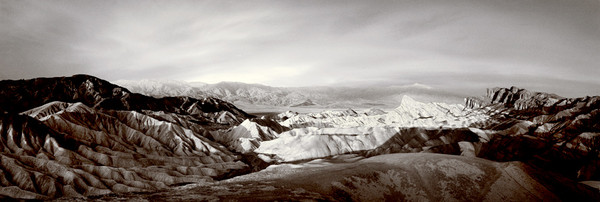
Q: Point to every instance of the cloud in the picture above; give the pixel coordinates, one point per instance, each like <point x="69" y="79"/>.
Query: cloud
<point x="464" y="45"/>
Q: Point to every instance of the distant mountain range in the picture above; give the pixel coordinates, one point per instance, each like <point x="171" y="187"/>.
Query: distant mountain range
<point x="243" y="94"/>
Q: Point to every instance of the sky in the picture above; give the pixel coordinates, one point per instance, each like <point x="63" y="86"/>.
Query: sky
<point x="455" y="45"/>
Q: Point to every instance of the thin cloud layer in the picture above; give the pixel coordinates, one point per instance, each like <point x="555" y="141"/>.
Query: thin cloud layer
<point x="463" y="46"/>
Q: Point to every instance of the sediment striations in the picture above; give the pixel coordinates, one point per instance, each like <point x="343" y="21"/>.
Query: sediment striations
<point x="81" y="136"/>
<point x="21" y="95"/>
<point x="311" y="143"/>
<point x="410" y="113"/>
<point x="72" y="150"/>
<point x="513" y="97"/>
<point x="561" y="134"/>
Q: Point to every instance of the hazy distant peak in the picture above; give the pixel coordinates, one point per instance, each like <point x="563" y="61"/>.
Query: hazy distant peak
<point x="153" y="82"/>
<point x="259" y="94"/>
<point x="197" y="84"/>
<point x="235" y="84"/>
<point x="162" y="87"/>
<point x="419" y="85"/>
<point x="413" y="86"/>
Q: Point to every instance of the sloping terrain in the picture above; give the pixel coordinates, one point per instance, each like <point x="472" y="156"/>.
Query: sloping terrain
<point x="41" y="163"/>
<point x="410" y="113"/>
<point x="411" y="127"/>
<point x="21" y="95"/>
<point x="561" y="134"/>
<point x="391" y="177"/>
<point x="81" y="137"/>
<point x="247" y="136"/>
<point x="116" y="145"/>
<point x="310" y="143"/>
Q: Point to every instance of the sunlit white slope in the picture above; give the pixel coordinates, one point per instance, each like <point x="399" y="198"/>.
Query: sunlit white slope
<point x="245" y="137"/>
<point x="410" y="113"/>
<point x="311" y="142"/>
<point x="70" y="146"/>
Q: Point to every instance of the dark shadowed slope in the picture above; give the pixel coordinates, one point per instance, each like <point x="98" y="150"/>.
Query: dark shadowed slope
<point x="86" y="152"/>
<point x="81" y="136"/>
<point x="513" y="97"/>
<point x="390" y="177"/>
<point x="560" y="134"/>
<point x="21" y="95"/>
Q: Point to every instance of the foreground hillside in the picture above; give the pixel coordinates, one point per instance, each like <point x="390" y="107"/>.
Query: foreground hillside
<point x="561" y="134"/>
<point x="81" y="137"/>
<point x="390" y="177"/>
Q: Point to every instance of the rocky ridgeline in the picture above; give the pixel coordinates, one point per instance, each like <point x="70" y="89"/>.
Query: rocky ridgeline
<point x="81" y="136"/>
<point x="562" y="134"/>
<point x="513" y="97"/>
<point x="247" y="136"/>
<point x="566" y="135"/>
<point x="410" y="113"/>
<point x="411" y="127"/>
<point x="21" y="95"/>
<point x="71" y="150"/>
<point x="311" y="143"/>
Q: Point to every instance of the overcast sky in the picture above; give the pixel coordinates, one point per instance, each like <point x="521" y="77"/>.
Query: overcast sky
<point x="459" y="45"/>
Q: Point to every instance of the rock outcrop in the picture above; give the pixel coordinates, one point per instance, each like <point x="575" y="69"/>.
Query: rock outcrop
<point x="86" y="153"/>
<point x="410" y="113"/>
<point x="311" y="143"/>
<point x="545" y="130"/>
<point x="245" y="137"/>
<point x="21" y="95"/>
<point x="513" y="97"/>
<point x="81" y="136"/>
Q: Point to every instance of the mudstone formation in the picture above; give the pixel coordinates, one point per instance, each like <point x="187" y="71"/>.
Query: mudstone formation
<point x="81" y="137"/>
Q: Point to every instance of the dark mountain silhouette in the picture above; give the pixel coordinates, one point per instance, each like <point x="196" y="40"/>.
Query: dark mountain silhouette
<point x="21" y="95"/>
